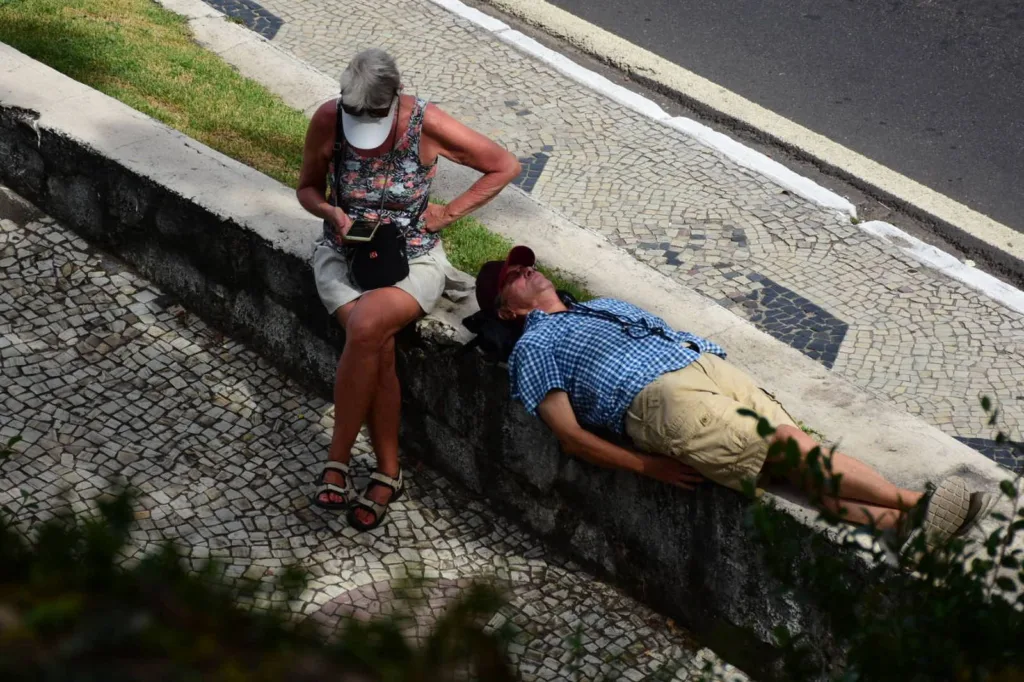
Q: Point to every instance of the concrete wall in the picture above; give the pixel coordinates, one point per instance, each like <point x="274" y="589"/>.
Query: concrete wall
<point x="687" y="554"/>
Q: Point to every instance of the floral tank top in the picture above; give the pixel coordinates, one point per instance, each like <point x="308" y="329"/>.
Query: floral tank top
<point x="405" y="194"/>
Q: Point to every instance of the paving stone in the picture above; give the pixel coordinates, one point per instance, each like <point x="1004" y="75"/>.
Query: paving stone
<point x="696" y="216"/>
<point x="248" y="506"/>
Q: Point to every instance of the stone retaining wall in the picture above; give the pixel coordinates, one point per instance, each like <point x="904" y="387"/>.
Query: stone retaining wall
<point x="688" y="554"/>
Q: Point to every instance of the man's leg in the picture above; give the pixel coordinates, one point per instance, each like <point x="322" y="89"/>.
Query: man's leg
<point x="862" y="490"/>
<point x="370" y="324"/>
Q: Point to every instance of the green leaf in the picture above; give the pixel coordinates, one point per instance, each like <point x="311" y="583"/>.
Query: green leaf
<point x="1009" y="489"/>
<point x="981" y="566"/>
<point x="999" y="516"/>
<point x="986" y="403"/>
<point x="1006" y="584"/>
<point x="1009" y="562"/>
<point x="749" y="487"/>
<point x="744" y="412"/>
<point x="764" y="428"/>
<point x="782" y="635"/>
<point x="792" y="455"/>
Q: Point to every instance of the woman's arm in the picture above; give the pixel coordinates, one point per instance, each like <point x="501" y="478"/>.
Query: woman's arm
<point x="316" y="158"/>
<point x="463" y="145"/>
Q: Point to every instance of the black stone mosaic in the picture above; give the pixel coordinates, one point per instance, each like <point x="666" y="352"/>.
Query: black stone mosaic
<point x="1010" y="455"/>
<point x="251" y="14"/>
<point x="774" y="309"/>
<point x="533" y="166"/>
<point x="794" y="320"/>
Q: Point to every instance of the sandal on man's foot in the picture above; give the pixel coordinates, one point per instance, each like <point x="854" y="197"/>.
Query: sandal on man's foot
<point x="321" y="498"/>
<point x="379" y="511"/>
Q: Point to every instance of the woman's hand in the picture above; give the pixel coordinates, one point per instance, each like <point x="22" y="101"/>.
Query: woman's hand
<point x="436" y="218"/>
<point x="444" y="136"/>
<point x="339" y="221"/>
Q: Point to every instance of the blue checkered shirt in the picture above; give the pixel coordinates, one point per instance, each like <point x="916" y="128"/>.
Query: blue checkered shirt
<point x="596" y="361"/>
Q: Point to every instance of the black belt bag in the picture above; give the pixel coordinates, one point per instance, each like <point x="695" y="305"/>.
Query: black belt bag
<point x="380" y="262"/>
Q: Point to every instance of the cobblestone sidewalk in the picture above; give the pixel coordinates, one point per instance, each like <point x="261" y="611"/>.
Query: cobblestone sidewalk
<point x="105" y="378"/>
<point x="808" y="277"/>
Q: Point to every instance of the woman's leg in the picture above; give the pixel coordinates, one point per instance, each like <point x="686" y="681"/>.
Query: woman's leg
<point x="383" y="422"/>
<point x="360" y="386"/>
<point x="860" y="487"/>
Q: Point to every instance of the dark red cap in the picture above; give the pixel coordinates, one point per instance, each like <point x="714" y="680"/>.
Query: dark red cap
<point x="492" y="275"/>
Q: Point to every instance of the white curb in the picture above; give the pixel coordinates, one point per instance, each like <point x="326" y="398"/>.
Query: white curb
<point x="740" y="154"/>
<point x="743" y="156"/>
<point x="935" y="258"/>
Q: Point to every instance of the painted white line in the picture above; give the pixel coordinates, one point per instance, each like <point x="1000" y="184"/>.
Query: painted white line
<point x="759" y="163"/>
<point x="476" y="16"/>
<point x="296" y="81"/>
<point x="565" y="25"/>
<point x="935" y="258"/>
<point x="740" y="154"/>
<point x="637" y="61"/>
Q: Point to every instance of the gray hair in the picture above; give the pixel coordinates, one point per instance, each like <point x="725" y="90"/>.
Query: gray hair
<point x="370" y="80"/>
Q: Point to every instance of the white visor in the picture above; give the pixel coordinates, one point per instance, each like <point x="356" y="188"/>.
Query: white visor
<point x="367" y="132"/>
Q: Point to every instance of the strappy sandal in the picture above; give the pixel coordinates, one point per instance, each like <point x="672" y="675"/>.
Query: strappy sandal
<point x="346" y="492"/>
<point x="379" y="511"/>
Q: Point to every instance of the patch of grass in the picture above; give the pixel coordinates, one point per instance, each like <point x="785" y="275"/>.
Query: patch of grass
<point x="469" y="245"/>
<point x="813" y="433"/>
<point x="143" y="55"/>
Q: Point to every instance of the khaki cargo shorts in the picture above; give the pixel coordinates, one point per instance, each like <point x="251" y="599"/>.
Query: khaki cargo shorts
<point x="691" y="414"/>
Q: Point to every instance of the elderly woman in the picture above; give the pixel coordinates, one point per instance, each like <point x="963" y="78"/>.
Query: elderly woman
<point x="379" y="264"/>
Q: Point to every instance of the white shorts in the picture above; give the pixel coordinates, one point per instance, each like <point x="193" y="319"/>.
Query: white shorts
<point x="430" y="276"/>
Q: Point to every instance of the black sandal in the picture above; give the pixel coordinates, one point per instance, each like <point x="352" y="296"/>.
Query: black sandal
<point x="380" y="511"/>
<point x="346" y="492"/>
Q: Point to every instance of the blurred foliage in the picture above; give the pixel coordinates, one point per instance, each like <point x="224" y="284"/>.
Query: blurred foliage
<point x="912" y="612"/>
<point x="72" y="608"/>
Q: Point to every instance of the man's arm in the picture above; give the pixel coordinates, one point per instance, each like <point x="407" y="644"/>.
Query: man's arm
<point x="557" y="413"/>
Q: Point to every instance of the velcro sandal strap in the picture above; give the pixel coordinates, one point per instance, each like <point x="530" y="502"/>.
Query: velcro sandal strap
<point x="336" y="466"/>
<point x="336" y="489"/>
<point x="394" y="483"/>
<point x="375" y="507"/>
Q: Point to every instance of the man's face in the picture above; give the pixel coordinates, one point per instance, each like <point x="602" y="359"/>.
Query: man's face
<point x="523" y="288"/>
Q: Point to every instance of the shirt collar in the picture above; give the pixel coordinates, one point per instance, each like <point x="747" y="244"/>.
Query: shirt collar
<point x="533" y="318"/>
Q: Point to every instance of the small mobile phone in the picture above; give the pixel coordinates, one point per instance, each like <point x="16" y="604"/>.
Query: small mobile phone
<point x="362" y="231"/>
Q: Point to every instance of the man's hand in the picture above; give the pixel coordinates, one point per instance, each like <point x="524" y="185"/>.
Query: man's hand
<point x="672" y="471"/>
<point x="436" y="218"/>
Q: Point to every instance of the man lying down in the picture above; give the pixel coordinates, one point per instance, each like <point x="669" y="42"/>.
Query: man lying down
<point x="611" y="365"/>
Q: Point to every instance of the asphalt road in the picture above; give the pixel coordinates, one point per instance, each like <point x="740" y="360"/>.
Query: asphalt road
<point x="933" y="89"/>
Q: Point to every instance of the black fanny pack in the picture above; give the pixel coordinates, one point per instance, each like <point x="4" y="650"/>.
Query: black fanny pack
<point x="380" y="262"/>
